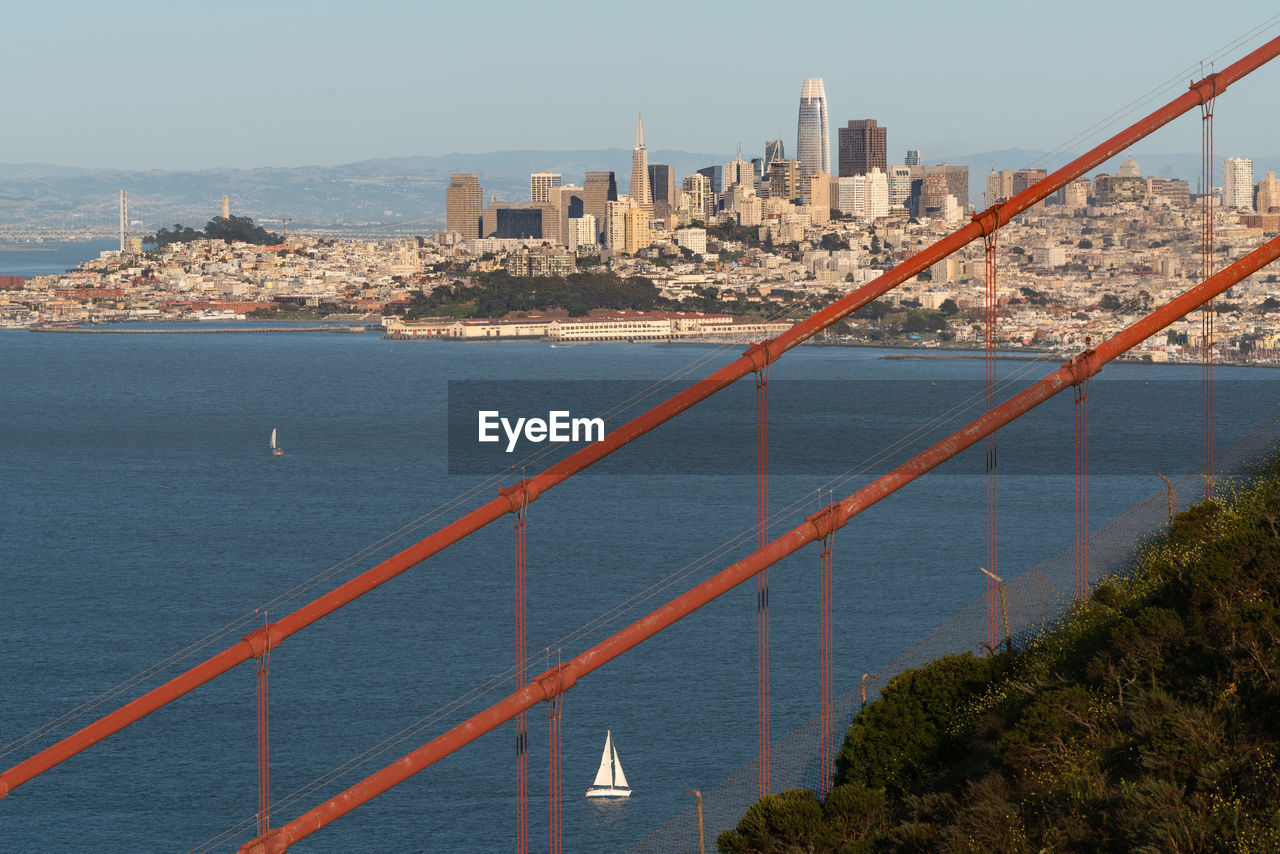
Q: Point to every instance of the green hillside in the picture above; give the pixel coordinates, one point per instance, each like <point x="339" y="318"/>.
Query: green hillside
<point x="1147" y="720"/>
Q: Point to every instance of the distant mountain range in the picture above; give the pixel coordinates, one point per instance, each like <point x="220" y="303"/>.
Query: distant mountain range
<point x="407" y="191"/>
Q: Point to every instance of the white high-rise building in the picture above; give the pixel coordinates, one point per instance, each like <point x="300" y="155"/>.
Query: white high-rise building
<point x="813" y="146"/>
<point x="875" y="195"/>
<point x="541" y="185"/>
<point x="1237" y="183"/>
<point x="899" y="185"/>
<point x="582" y="232"/>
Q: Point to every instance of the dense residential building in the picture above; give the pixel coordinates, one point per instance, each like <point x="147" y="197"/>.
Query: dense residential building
<point x="1267" y="196"/>
<point x="875" y="194"/>
<point x="1115" y="189"/>
<point x="464" y="205"/>
<point x="615" y="225"/>
<point x="1176" y="190"/>
<point x="636" y="235"/>
<point x="542" y="184"/>
<point x="999" y="186"/>
<point x="813" y="147"/>
<point x="1075" y="196"/>
<point x="693" y="239"/>
<point x="814" y="192"/>
<point x="1237" y="183"/>
<point x="542" y="261"/>
<point x="640" y="193"/>
<point x="698" y="198"/>
<point x="738" y="171"/>
<point x="584" y="234"/>
<point x="863" y="147"/>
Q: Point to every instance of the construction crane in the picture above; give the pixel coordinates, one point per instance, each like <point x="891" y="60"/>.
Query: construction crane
<point x="284" y="225"/>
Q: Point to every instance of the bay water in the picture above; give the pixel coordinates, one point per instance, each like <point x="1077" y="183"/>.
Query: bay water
<point x="142" y="511"/>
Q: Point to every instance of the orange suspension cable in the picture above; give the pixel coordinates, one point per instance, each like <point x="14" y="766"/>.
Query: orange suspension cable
<point x="1206" y="315"/>
<point x="522" y="756"/>
<point x="762" y="580"/>
<point x="826" y="658"/>
<point x="264" y="770"/>
<point x="992" y="342"/>
<point x="553" y="716"/>
<point x="1081" y="393"/>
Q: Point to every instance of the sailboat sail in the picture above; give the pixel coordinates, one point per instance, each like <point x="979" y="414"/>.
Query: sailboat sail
<point x="619" y="779"/>
<point x="273" y="438"/>
<point x="610" y="782"/>
<point x="604" y="777"/>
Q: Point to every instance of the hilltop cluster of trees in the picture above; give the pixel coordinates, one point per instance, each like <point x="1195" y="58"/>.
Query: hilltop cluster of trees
<point x="498" y="294"/>
<point x="233" y="229"/>
<point x="1148" y="720"/>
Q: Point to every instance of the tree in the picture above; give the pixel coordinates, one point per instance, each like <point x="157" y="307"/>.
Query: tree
<point x="1085" y="243"/>
<point x="1109" y="302"/>
<point x="949" y="307"/>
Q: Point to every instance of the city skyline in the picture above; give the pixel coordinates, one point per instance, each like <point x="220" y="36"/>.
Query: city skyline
<point x="312" y="84"/>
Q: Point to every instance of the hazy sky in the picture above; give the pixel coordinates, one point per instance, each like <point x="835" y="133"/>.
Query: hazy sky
<point x="174" y="85"/>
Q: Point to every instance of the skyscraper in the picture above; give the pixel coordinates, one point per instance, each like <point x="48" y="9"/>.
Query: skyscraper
<point x="640" y="192"/>
<point x="913" y="157"/>
<point x="464" y="205"/>
<point x="772" y="151"/>
<point x="1237" y="183"/>
<point x="662" y="184"/>
<point x="598" y="189"/>
<point x="862" y="148"/>
<point x="813" y="147"/>
<point x="541" y="185"/>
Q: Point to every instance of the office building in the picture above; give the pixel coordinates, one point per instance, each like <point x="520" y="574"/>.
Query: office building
<point x="464" y="205"/>
<point x="598" y="190"/>
<point x="813" y="148"/>
<point x="715" y="174"/>
<point x="662" y="184"/>
<point x="541" y="184"/>
<point x="640" y="193"/>
<point x="863" y="147"/>
<point x="773" y="150"/>
<point x="913" y="157"/>
<point x="782" y="179"/>
<point x="899" y="177"/>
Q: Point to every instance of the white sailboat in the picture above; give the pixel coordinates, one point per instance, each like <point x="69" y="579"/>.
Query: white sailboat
<point x="610" y="782"/>
<point x="276" y="450"/>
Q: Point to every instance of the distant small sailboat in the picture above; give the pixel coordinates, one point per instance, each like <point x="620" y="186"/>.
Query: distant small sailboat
<point x="276" y="450"/>
<point x="610" y="782"/>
